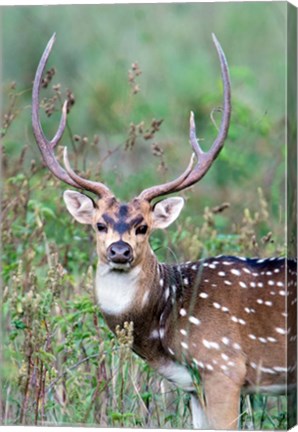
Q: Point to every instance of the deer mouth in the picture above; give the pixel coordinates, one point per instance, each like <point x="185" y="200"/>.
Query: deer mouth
<point x="121" y="267"/>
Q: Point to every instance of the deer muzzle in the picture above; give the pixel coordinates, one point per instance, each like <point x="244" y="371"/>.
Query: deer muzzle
<point x="120" y="252"/>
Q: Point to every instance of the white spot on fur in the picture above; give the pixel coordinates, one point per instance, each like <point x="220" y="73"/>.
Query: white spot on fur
<point x="243" y="284"/>
<point x="183" y="332"/>
<point x="221" y="273"/>
<point x="194" y="320"/>
<point x="225" y="357"/>
<point x="216" y="305"/>
<point x="145" y="298"/>
<point x="236" y="346"/>
<point x="225" y="340"/>
<point x="281" y="331"/>
<point x="199" y="363"/>
<point x="203" y="295"/>
<point x="236" y="272"/>
<point x="280" y="369"/>
<point x="154" y="334"/>
<point x="267" y="370"/>
<point x="167" y="293"/>
<point x="210" y="344"/>
<point x="226" y="282"/>
<point x="242" y="258"/>
<point x="183" y="312"/>
<point x="184" y="345"/>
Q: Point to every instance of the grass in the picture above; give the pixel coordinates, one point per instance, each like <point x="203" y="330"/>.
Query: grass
<point x="61" y="365"/>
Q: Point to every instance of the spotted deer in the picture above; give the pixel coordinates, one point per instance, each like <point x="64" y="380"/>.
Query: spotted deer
<point x="229" y="319"/>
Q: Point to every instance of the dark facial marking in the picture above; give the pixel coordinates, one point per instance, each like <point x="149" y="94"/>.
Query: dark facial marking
<point x="136" y="221"/>
<point x="108" y="219"/>
<point x="121" y="227"/>
<point x="111" y="202"/>
<point x="123" y="211"/>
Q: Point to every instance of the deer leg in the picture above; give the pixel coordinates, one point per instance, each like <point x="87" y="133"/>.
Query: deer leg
<point x="199" y="420"/>
<point x="222" y="401"/>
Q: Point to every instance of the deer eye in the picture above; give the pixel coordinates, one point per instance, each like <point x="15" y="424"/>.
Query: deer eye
<point x="142" y="229"/>
<point x="102" y="227"/>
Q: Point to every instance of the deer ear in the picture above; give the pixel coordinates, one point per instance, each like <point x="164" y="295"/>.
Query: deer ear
<point x="165" y="212"/>
<point x="79" y="206"/>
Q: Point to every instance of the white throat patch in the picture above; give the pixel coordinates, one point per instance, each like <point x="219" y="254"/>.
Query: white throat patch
<point x="115" y="290"/>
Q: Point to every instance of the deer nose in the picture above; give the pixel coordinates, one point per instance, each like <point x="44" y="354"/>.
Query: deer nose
<point x="120" y="252"/>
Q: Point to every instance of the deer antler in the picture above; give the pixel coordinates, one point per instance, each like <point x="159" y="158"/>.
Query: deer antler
<point x="47" y="147"/>
<point x="204" y="159"/>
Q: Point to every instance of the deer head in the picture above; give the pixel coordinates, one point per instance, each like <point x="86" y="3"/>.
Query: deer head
<point x="123" y="230"/>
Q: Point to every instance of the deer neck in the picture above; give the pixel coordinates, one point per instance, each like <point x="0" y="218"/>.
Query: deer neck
<point x="139" y="296"/>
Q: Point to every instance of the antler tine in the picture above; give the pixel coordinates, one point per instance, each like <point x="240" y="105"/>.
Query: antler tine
<point x="204" y="159"/>
<point x="155" y="191"/>
<point x="57" y="137"/>
<point x="46" y="147"/>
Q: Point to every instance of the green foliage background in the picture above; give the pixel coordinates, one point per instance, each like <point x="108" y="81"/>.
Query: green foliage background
<point x="61" y="364"/>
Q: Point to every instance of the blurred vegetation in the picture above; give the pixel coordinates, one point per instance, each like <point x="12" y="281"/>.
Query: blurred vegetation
<point x="133" y="72"/>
